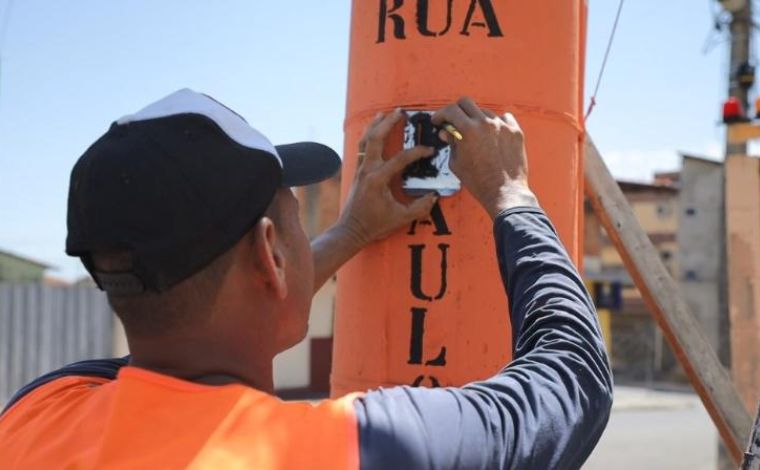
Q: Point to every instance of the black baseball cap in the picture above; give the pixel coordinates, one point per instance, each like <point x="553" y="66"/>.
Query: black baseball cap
<point x="176" y="185"/>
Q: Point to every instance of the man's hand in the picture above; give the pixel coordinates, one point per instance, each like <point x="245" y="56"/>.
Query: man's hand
<point x="490" y="160"/>
<point x="372" y="212"/>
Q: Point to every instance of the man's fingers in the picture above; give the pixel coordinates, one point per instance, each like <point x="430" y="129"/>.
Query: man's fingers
<point x="375" y="120"/>
<point x="472" y="109"/>
<point x="452" y="114"/>
<point x="509" y="118"/>
<point x="403" y="159"/>
<point x="421" y="207"/>
<point x="490" y="113"/>
<point x="375" y="138"/>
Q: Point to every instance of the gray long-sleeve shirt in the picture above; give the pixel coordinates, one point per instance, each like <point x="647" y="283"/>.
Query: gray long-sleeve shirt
<point x="546" y="409"/>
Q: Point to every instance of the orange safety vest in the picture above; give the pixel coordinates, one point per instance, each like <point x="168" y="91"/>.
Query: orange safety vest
<point x="148" y="420"/>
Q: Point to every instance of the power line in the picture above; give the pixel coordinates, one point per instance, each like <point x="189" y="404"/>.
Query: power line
<point x="592" y="103"/>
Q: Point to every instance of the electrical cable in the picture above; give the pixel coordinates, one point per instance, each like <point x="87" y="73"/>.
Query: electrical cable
<point x="592" y="103"/>
<point x="716" y="36"/>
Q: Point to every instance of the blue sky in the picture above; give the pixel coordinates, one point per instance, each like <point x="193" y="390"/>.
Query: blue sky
<point x="71" y="67"/>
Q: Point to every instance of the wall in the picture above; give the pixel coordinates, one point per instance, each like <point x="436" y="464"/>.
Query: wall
<point x="659" y="215"/>
<point x="700" y="243"/>
<point x="44" y="327"/>
<point x="656" y="209"/>
<point x="292" y="368"/>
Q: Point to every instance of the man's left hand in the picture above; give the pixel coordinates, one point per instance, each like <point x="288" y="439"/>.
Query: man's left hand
<point x="372" y="212"/>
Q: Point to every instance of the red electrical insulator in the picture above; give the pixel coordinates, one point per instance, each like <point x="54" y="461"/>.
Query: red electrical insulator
<point x="732" y="111"/>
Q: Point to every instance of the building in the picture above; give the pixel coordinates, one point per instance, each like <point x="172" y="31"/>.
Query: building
<point x="702" y="245"/>
<point x="638" y="350"/>
<point x="656" y="207"/>
<point x="19" y="269"/>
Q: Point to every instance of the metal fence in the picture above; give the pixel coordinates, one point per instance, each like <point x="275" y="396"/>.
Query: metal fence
<point x="43" y="327"/>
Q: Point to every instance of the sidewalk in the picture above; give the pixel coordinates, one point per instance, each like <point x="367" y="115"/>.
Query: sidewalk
<point x="656" y="429"/>
<point x="629" y="397"/>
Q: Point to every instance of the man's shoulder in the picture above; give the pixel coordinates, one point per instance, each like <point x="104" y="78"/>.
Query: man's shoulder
<point x="300" y="412"/>
<point x="96" y="369"/>
<point x="101" y="400"/>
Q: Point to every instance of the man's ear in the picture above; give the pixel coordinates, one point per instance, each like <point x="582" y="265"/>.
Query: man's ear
<point x="271" y="259"/>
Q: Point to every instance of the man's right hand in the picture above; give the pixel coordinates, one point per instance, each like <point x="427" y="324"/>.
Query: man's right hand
<point x="490" y="160"/>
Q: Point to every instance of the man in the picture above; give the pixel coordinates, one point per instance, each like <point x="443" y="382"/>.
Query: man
<point x="183" y="215"/>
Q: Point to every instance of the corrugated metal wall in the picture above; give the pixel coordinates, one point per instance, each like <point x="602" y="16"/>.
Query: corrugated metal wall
<point x="44" y="327"/>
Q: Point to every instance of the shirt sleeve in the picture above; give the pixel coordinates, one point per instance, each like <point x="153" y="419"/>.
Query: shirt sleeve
<point x="545" y="409"/>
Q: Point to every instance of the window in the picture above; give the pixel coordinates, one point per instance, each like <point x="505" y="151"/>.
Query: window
<point x="664" y="210"/>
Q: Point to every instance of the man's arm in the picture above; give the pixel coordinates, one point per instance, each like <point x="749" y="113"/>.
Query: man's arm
<point x="548" y="407"/>
<point x="331" y="250"/>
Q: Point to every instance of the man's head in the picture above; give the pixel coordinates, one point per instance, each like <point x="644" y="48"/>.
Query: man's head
<point x="183" y="214"/>
<point x="269" y="270"/>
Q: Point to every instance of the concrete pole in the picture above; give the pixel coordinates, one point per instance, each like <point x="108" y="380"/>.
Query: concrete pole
<point x="740" y="29"/>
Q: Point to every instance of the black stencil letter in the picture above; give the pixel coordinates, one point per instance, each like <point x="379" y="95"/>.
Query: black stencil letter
<point x="418" y="338"/>
<point x="494" y="30"/>
<point x="416" y="279"/>
<point x="398" y="20"/>
<point x="433" y="381"/>
<point x="441" y="227"/>
<point x="423" y="17"/>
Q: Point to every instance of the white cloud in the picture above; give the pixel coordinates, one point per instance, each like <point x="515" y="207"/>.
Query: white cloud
<point x="637" y="165"/>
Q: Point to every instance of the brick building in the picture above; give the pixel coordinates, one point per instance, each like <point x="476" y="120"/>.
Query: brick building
<point x="638" y="350"/>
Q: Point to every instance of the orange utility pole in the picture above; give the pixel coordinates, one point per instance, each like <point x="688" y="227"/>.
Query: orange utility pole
<point x="426" y="307"/>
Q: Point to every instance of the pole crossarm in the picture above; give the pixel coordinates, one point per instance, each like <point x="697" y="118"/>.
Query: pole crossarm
<point x="661" y="294"/>
<point x="742" y="132"/>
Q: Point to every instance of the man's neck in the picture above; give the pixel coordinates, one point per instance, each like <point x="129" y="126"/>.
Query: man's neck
<point x="211" y="364"/>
